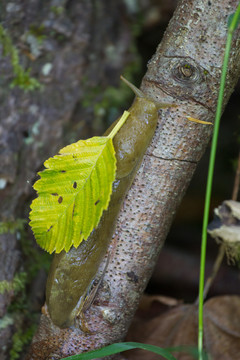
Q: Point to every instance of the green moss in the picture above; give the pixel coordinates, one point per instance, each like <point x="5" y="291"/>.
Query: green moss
<point x="19" y="340"/>
<point x="90" y="96"/>
<point x="12" y="226"/>
<point x="105" y="104"/>
<point x="108" y="104"/>
<point x="35" y="260"/>
<point x="22" y="78"/>
<point x="114" y="98"/>
<point x="38" y="32"/>
<point x="57" y="10"/>
<point x="17" y="284"/>
<point x="6" y="321"/>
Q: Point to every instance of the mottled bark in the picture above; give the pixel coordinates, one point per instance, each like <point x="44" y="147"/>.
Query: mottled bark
<point x="71" y="47"/>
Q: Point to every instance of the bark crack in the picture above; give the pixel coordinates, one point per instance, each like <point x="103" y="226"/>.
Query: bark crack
<point x="173" y="159"/>
<point x="179" y="97"/>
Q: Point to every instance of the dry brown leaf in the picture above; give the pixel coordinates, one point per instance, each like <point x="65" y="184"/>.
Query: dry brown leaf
<point x="173" y="328"/>
<point x="179" y="326"/>
<point x="225" y="228"/>
<point x="148" y="300"/>
<point x="222" y="327"/>
<point x="153" y="305"/>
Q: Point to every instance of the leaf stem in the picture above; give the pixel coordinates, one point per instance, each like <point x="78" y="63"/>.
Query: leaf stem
<point x="119" y="124"/>
<point x="209" y="181"/>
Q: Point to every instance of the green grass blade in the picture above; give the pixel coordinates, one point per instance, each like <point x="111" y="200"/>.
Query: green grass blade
<point x="191" y="350"/>
<point x="232" y="26"/>
<point x="120" y="347"/>
<point x="234" y="20"/>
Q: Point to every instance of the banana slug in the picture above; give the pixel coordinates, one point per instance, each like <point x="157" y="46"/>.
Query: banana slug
<point x="71" y="273"/>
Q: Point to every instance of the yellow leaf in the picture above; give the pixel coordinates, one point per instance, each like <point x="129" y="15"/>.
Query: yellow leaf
<point x="73" y="191"/>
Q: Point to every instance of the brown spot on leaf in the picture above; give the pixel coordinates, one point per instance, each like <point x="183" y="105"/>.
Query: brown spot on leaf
<point x="60" y="199"/>
<point x="63" y="171"/>
<point x="54" y="194"/>
<point x="74" y="185"/>
<point x="97" y="202"/>
<point x="50" y="228"/>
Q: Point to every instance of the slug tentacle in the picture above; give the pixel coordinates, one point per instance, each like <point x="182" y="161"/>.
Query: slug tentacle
<point x="136" y="91"/>
<point x="140" y="94"/>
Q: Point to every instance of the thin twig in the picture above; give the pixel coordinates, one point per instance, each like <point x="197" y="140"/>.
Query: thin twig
<point x="236" y="181"/>
<point x="216" y="267"/>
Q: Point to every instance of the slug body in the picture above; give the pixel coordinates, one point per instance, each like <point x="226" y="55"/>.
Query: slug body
<point x="71" y="273"/>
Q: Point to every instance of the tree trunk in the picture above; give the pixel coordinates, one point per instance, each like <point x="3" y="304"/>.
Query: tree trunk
<point x="71" y="50"/>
